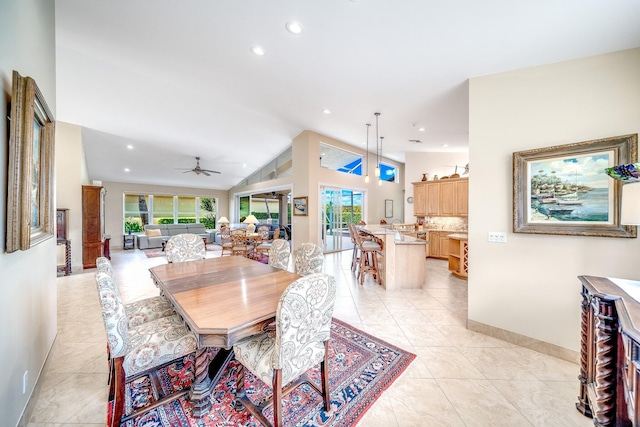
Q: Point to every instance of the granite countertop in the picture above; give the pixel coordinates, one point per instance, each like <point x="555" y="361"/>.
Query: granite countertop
<point x="400" y="238"/>
<point x="403" y="239"/>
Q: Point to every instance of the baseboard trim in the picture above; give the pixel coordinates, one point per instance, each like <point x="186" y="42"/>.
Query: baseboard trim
<point x="525" y="341"/>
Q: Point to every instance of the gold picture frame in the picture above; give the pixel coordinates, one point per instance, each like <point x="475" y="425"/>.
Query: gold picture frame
<point x="300" y="206"/>
<point x="30" y="171"/>
<point x="565" y="190"/>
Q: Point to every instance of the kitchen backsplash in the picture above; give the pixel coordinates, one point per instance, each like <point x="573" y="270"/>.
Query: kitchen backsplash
<point x="446" y="223"/>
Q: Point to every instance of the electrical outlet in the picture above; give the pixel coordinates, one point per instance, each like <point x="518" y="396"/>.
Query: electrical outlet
<point x="25" y="380"/>
<point x="497" y="236"/>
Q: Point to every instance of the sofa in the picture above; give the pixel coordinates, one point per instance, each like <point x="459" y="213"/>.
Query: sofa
<point x="284" y="231"/>
<point x="152" y="239"/>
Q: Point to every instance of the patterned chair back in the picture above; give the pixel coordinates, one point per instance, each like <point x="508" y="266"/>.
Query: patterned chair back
<point x="279" y="254"/>
<point x="309" y="259"/>
<point x="263" y="232"/>
<point x="303" y="324"/>
<point x="103" y="264"/>
<point x="185" y="247"/>
<point x="113" y="314"/>
<point x="352" y="232"/>
<point x="225" y="234"/>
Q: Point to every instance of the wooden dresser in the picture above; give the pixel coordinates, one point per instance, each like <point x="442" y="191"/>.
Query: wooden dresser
<point x="92" y="220"/>
<point x="610" y="351"/>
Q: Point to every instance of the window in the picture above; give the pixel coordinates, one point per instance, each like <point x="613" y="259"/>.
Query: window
<point x="340" y="160"/>
<point x="142" y="209"/>
<point x="388" y="172"/>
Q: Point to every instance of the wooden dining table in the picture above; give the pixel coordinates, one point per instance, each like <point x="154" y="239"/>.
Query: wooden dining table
<point x="221" y="300"/>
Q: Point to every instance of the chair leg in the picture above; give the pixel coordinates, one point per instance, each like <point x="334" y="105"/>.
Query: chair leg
<point x="118" y="398"/>
<point x="240" y="394"/>
<point x="277" y="398"/>
<point x="324" y="369"/>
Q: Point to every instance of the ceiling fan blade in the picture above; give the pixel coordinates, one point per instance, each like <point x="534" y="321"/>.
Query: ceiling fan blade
<point x="187" y="171"/>
<point x="205" y="173"/>
<point x="209" y="170"/>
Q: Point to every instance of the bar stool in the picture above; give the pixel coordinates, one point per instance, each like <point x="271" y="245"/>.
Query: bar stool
<point x="355" y="258"/>
<point x="368" y="258"/>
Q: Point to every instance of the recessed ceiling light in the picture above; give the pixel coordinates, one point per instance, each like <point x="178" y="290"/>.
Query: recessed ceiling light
<point x="445" y="145"/>
<point x="294" y="27"/>
<point x="421" y="129"/>
<point x="127" y="170"/>
<point x="244" y="165"/>
<point x="326" y="111"/>
<point x="129" y="147"/>
<point x="257" y="50"/>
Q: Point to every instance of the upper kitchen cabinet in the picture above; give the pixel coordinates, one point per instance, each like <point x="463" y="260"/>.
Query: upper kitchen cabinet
<point x="449" y="197"/>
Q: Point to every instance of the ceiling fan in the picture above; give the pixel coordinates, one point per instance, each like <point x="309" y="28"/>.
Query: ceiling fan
<point x="198" y="170"/>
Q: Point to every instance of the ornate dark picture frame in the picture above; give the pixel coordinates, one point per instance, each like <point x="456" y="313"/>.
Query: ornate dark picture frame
<point x="30" y="208"/>
<point x="565" y="190"/>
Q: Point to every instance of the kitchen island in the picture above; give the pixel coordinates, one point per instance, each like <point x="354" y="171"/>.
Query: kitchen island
<point x="403" y="263"/>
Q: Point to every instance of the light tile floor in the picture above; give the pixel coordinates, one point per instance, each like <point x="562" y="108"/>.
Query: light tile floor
<point x="459" y="378"/>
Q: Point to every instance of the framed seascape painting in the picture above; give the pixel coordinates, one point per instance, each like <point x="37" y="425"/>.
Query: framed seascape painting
<point x="565" y="189"/>
<point x="300" y="206"/>
<point x="30" y="169"/>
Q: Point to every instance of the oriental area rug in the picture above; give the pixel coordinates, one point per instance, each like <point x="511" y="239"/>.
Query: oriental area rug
<point x="361" y="367"/>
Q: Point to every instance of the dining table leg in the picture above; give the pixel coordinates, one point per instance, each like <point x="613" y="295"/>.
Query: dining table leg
<point x="208" y="371"/>
<point x="200" y="394"/>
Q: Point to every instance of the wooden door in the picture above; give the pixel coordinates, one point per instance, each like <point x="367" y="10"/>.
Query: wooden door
<point x="447" y="198"/>
<point x="461" y="207"/>
<point x="91" y="225"/>
<point x="433" y="198"/>
<point x="420" y="199"/>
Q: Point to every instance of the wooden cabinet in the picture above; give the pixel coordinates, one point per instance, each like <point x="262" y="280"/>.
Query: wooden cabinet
<point x="447" y="197"/>
<point x="610" y="352"/>
<point x="92" y="231"/>
<point x="420" y="199"/>
<point x="439" y="244"/>
<point x="459" y="255"/>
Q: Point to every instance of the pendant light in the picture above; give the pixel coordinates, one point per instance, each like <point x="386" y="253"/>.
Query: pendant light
<point x="377" y="152"/>
<point x="380" y="173"/>
<point x="366" y="176"/>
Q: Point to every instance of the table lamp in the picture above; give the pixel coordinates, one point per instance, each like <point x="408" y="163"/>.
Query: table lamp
<point x="223" y="221"/>
<point x="252" y="221"/>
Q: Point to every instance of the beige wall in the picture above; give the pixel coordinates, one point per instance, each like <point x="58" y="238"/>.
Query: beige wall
<point x="71" y="175"/>
<point x="432" y="163"/>
<point x="308" y="176"/>
<point x="114" y="202"/>
<point x="529" y="285"/>
<point x="28" y="278"/>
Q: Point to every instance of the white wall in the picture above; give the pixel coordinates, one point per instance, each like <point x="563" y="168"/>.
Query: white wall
<point x="529" y="285"/>
<point x="71" y="176"/>
<point x="28" y="278"/>
<point x="439" y="164"/>
<point x="113" y="202"/>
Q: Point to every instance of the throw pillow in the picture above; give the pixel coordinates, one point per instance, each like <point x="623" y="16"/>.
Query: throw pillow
<point x="154" y="232"/>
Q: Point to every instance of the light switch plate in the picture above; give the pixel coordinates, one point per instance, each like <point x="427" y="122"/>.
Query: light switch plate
<point x="497" y="236"/>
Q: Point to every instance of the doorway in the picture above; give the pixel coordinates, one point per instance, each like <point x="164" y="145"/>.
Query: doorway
<point x="339" y="207"/>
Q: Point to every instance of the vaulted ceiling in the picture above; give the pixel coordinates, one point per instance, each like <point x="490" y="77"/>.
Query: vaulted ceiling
<point x="177" y="79"/>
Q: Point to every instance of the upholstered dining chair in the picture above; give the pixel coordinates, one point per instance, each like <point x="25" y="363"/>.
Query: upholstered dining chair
<point x="279" y="254"/>
<point x="140" y="311"/>
<point x="185" y="247"/>
<point x="308" y="259"/>
<point x="138" y="350"/>
<point x="300" y="342"/>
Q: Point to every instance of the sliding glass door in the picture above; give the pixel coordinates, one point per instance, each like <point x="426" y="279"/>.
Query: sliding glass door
<point x="339" y="207"/>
